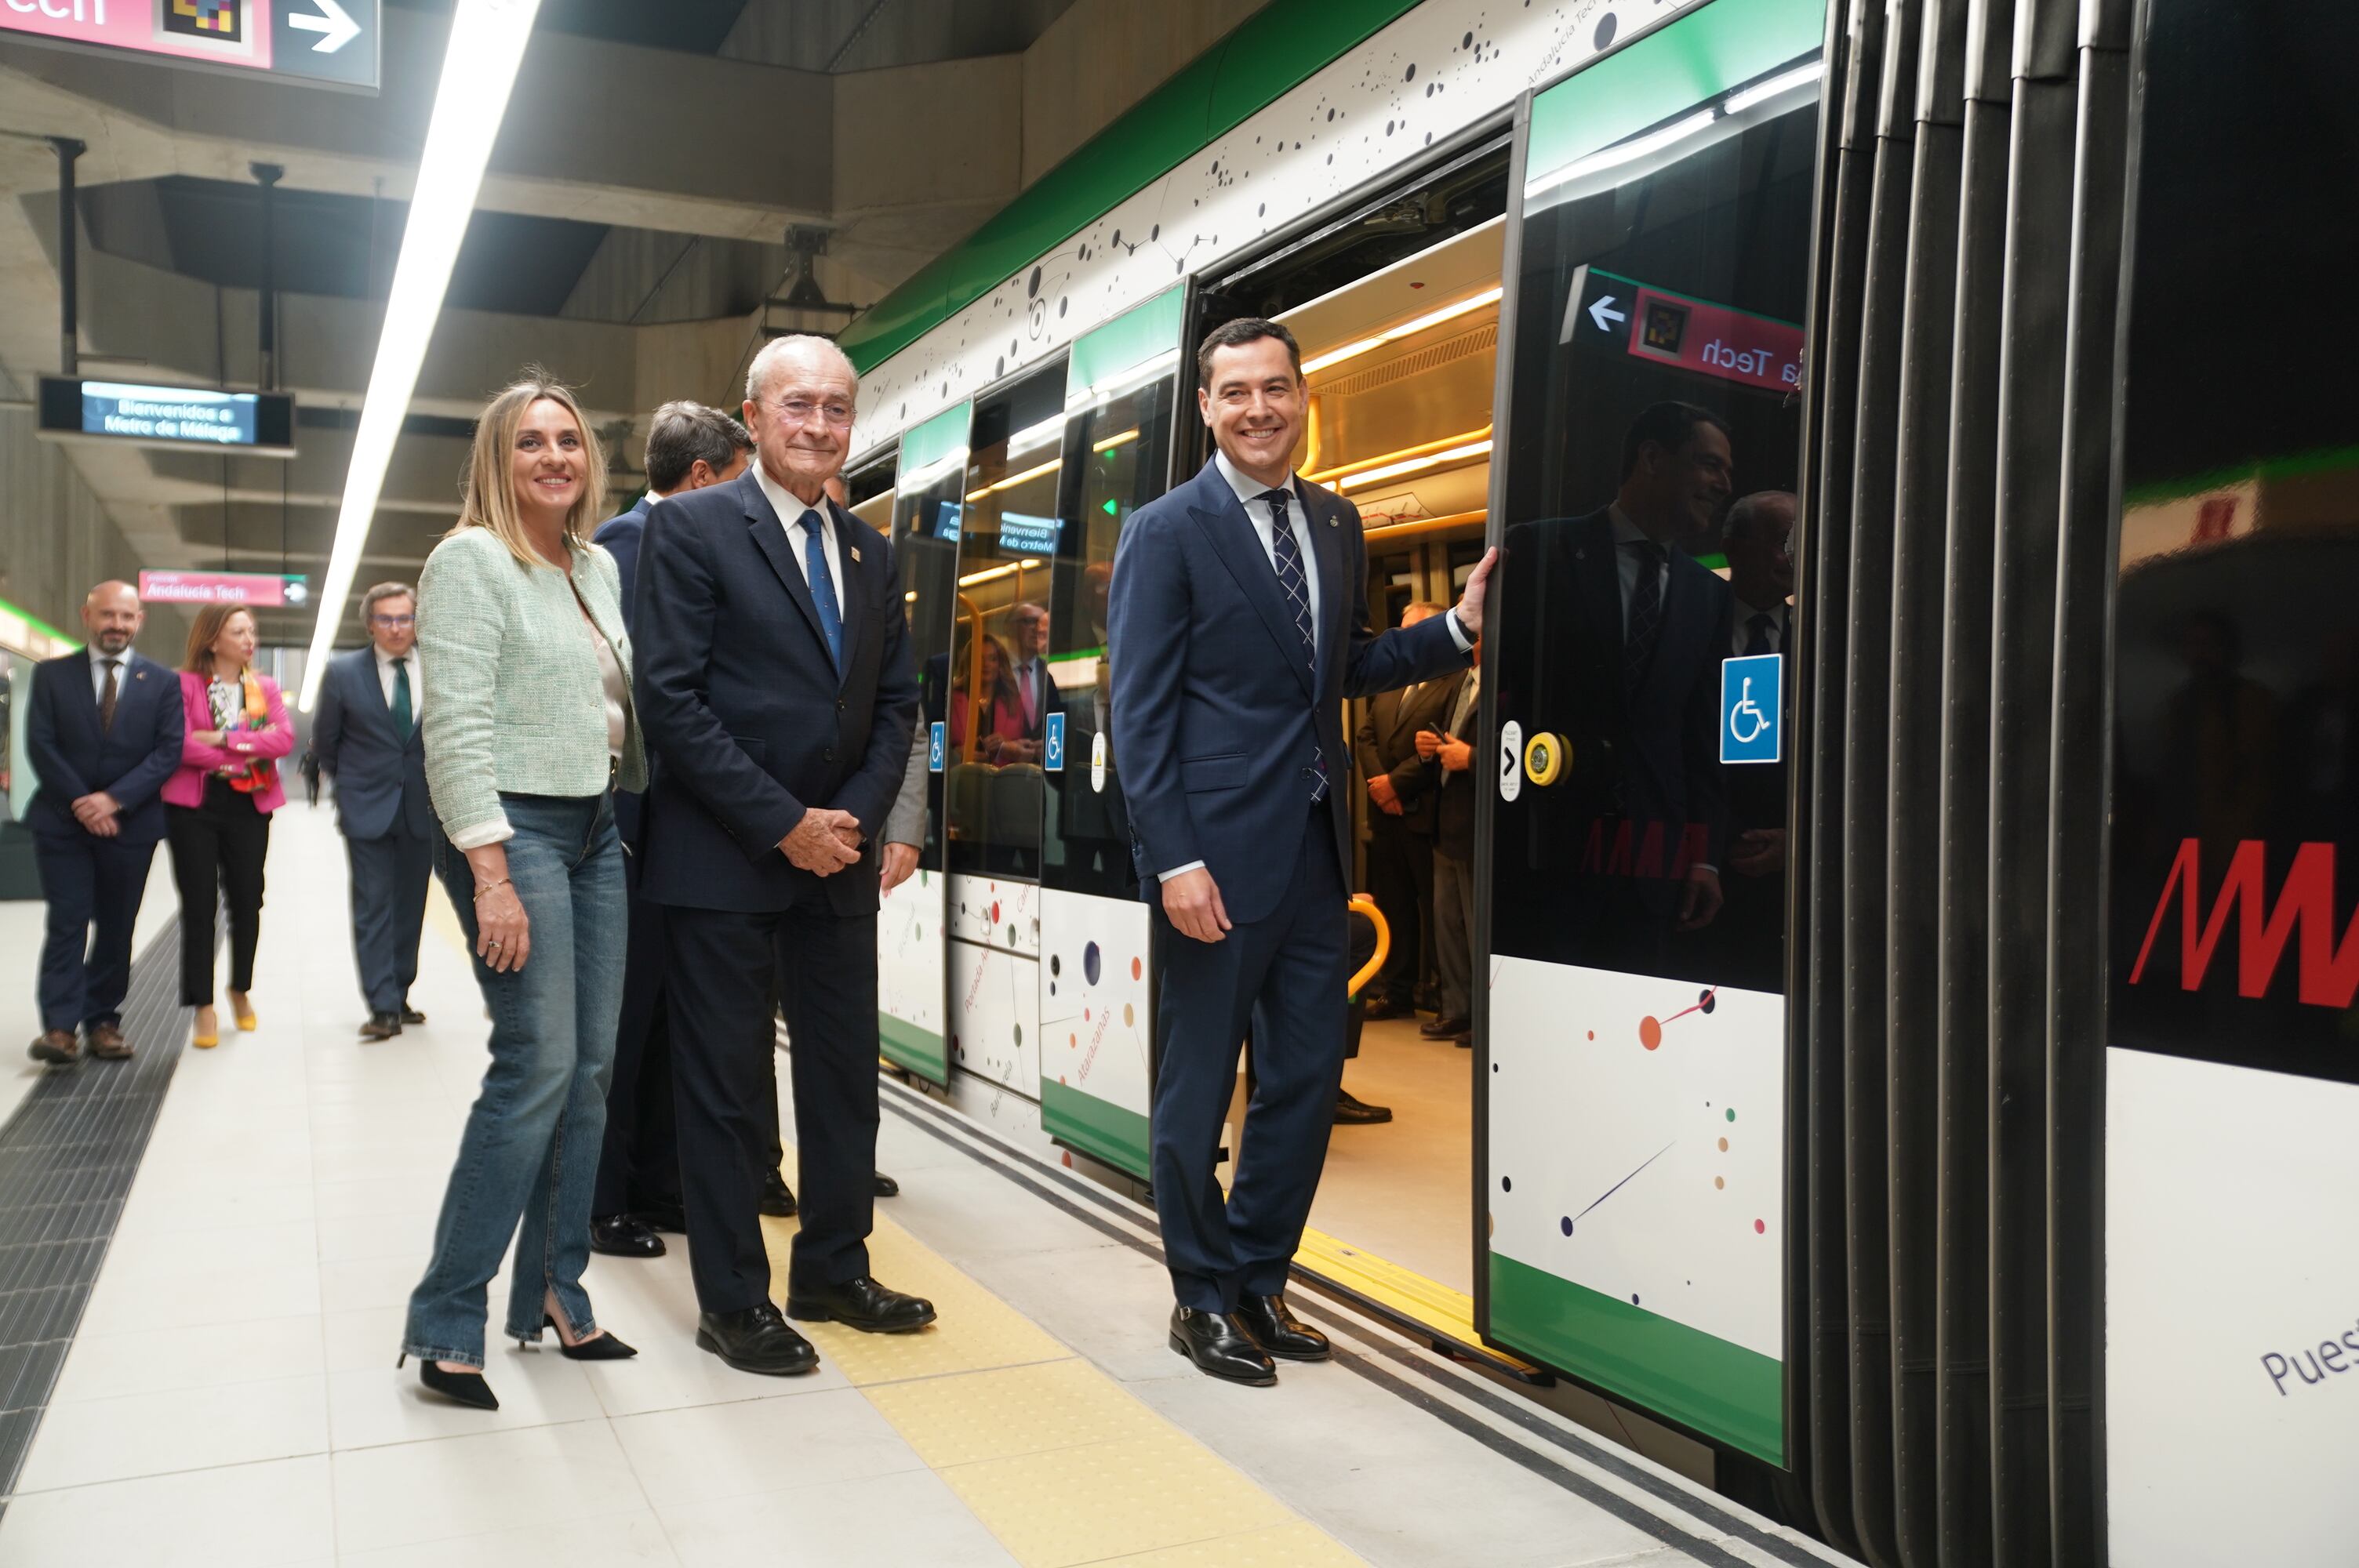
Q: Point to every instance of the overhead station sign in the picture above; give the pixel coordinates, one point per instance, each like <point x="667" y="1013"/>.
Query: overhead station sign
<point x="1684" y="332"/>
<point x="260" y="424"/>
<point x="330" y="42"/>
<point x="261" y="591"/>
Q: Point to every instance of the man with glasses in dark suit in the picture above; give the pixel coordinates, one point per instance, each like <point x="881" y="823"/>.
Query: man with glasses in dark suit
<point x="368" y="739"/>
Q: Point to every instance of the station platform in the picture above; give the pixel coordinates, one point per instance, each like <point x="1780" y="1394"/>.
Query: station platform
<point x="205" y="1257"/>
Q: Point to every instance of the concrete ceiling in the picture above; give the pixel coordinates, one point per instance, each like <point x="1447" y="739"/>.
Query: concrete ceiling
<point x="628" y="235"/>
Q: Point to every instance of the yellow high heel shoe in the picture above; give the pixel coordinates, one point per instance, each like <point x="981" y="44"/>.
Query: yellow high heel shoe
<point x="207" y="1042"/>
<point x="246" y="1022"/>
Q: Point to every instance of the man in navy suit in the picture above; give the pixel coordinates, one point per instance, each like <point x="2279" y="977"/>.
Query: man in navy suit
<point x="777" y="688"/>
<point x="690" y="447"/>
<point x="103" y="732"/>
<point x="1239" y="625"/>
<point x="368" y="739"/>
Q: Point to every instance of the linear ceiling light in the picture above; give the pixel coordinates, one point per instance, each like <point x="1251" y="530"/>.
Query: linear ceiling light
<point x="1626" y="152"/>
<point x="479" y="70"/>
<point x="1012" y="481"/>
<point x="1362" y="465"/>
<point x="1430" y="319"/>
<point x="1111" y="442"/>
<point x="1417" y="465"/>
<point x="1776" y="87"/>
<point x="1039" y="435"/>
<point x="993" y="574"/>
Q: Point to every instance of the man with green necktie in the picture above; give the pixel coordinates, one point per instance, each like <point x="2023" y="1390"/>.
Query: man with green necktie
<point x="368" y="741"/>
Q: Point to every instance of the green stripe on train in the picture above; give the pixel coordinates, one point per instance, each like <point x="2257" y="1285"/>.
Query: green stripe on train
<point x="1719" y="1389"/>
<point x="917" y="1049"/>
<point x="1270" y="54"/>
<point x="1100" y="1129"/>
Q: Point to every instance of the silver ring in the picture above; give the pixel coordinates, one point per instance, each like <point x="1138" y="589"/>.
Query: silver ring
<point x="491" y="942"/>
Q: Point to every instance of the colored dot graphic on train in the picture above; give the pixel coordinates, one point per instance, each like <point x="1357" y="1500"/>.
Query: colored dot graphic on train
<point x="1090" y="959"/>
<point x="1650" y="1029"/>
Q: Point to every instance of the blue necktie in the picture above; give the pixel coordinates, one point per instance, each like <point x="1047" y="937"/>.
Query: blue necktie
<point x="1285" y="555"/>
<point x="822" y="587"/>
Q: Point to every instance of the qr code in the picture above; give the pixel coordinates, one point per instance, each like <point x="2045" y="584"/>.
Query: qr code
<point x="220" y="21"/>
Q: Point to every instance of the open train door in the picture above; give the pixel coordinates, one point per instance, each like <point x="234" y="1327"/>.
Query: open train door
<point x="912" y="1002"/>
<point x="1631" y="1221"/>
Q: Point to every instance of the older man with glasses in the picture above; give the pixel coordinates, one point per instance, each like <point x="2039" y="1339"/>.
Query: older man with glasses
<point x="367" y="739"/>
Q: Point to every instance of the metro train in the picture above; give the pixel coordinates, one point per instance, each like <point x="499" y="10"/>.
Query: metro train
<point x="1915" y="1050"/>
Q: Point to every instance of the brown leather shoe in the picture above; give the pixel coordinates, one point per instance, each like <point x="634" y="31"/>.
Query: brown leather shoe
<point x="55" y="1045"/>
<point x="107" y="1043"/>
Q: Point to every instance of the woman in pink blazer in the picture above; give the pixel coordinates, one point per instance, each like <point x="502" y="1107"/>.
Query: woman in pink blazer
<point x="217" y="807"/>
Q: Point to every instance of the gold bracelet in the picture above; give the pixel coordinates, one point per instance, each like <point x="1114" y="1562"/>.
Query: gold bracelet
<point x="487" y="887"/>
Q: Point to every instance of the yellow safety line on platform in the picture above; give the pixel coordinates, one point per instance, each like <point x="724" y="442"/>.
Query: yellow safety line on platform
<point x="1404" y="1290"/>
<point x="1056" y="1458"/>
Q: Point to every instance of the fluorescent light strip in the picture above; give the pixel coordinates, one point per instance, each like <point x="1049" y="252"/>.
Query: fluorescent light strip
<point x="1012" y="481"/>
<point x="1121" y="383"/>
<point x="1034" y="435"/>
<point x="479" y="70"/>
<point x="1341" y="471"/>
<point x="1111" y="442"/>
<point x="1431" y="319"/>
<point x="1628" y="152"/>
<point x="925" y="474"/>
<point x="991" y="574"/>
<point x="1416" y="465"/>
<point x="1776" y="87"/>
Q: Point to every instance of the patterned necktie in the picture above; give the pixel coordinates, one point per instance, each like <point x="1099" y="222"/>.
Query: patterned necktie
<point x="107" y="698"/>
<point x="822" y="587"/>
<point x="404" y="717"/>
<point x="1759" y="644"/>
<point x="1645" y="613"/>
<point x="1285" y="555"/>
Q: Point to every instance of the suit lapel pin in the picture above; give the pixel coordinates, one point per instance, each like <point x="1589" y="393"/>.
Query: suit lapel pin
<point x="855" y="554"/>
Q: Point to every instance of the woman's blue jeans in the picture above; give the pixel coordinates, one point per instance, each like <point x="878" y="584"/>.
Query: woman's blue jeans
<point x="530" y="1149"/>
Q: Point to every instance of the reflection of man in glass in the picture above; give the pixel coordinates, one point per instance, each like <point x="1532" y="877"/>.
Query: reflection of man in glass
<point x="1751" y="929"/>
<point x="1628" y="671"/>
<point x="1036" y="693"/>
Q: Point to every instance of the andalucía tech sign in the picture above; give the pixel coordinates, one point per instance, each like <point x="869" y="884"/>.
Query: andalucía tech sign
<point x="329" y="42"/>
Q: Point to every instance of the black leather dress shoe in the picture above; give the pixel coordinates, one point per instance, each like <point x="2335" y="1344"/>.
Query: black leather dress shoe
<point x="1353" y="1112"/>
<point x="860" y="1303"/>
<point x="1376" y="1010"/>
<point x="755" y="1340"/>
<point x="1279" y="1332"/>
<point x="886" y="1187"/>
<point x="381" y="1026"/>
<point x="1445" y="1028"/>
<point x="625" y="1236"/>
<point x="411" y="1015"/>
<point x="778" y="1198"/>
<point x="1219" y="1345"/>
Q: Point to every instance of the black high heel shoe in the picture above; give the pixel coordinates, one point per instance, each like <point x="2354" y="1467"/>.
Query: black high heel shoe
<point x="461" y="1388"/>
<point x="605" y="1347"/>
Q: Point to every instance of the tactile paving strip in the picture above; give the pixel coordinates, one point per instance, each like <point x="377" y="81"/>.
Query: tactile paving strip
<point x="67" y="1158"/>
<point x="1056" y="1458"/>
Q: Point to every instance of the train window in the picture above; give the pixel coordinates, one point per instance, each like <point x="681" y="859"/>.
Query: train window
<point x="991" y="686"/>
<point x="2229" y="1164"/>
<point x="1636" y="1027"/>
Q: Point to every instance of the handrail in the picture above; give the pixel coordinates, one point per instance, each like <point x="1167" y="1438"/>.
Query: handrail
<point x="1367" y="906"/>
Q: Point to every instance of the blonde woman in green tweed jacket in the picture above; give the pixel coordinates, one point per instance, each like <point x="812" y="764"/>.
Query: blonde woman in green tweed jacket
<point x="529" y="728"/>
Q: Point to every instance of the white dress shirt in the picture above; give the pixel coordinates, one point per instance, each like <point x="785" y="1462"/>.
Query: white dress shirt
<point x="1628" y="535"/>
<point x="98" y="663"/>
<point x="384" y="666"/>
<point x="794" y="513"/>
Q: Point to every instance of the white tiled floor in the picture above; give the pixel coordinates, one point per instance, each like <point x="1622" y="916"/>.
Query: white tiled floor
<point x="231" y="1396"/>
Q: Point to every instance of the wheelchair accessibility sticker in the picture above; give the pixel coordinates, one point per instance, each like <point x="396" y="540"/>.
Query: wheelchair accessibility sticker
<point x="936" y="743"/>
<point x="1750" y="727"/>
<point x="1053" y="760"/>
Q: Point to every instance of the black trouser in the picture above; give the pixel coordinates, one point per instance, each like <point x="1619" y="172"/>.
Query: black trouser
<point x="88" y="881"/>
<point x="1282" y="976"/>
<point x="639" y="1167"/>
<point x="218" y="848"/>
<point x="824" y="967"/>
<point x="1400" y="879"/>
<point x="389" y="878"/>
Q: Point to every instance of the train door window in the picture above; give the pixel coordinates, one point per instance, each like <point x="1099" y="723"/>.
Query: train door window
<point x="2230" y="1077"/>
<point x="1122" y="404"/>
<point x="927" y="500"/>
<point x="1636" y="1032"/>
<point x="993" y="689"/>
